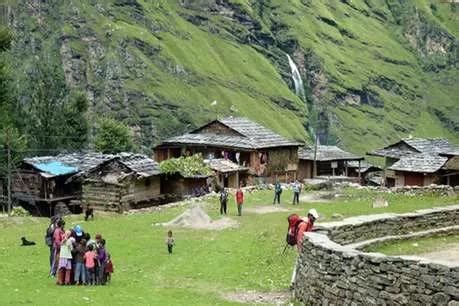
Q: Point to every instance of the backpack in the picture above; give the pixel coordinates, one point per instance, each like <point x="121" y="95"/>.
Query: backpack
<point x="223" y="196"/>
<point x="293" y="223"/>
<point x="49" y="235"/>
<point x="278" y="188"/>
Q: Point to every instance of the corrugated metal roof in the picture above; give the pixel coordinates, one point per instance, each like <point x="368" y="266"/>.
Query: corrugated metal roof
<point x="64" y="164"/>
<point x="326" y="153"/>
<point x="424" y="163"/>
<point x="55" y="168"/>
<point x="251" y="136"/>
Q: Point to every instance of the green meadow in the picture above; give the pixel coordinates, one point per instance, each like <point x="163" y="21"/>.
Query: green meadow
<point x="206" y="265"/>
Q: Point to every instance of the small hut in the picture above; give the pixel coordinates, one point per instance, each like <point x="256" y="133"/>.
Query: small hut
<point x="42" y="182"/>
<point x="419" y="162"/>
<point x="124" y="182"/>
<point x="185" y="176"/>
<point x="228" y="173"/>
<point x="330" y="161"/>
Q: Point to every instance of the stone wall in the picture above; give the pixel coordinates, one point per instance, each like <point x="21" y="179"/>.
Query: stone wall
<point x="330" y="273"/>
<point x="363" y="228"/>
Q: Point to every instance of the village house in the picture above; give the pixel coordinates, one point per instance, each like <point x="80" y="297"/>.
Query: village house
<point x="266" y="154"/>
<point x="228" y="173"/>
<point x="419" y="162"/>
<point x="41" y="182"/>
<point x="331" y="161"/>
<point x="123" y="182"/>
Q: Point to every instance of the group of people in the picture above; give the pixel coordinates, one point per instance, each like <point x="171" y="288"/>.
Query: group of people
<point x="296" y="187"/>
<point x="76" y="258"/>
<point x="239" y="196"/>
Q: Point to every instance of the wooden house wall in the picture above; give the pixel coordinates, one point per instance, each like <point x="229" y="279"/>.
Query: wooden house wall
<point x="28" y="182"/>
<point x="103" y="196"/>
<point x="145" y="189"/>
<point x="177" y="185"/>
<point x="304" y="169"/>
<point x="452" y="163"/>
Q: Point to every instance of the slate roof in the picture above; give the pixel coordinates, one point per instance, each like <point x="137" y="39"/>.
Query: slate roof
<point x="424" y="163"/>
<point x="409" y="146"/>
<point x="141" y="164"/>
<point x="81" y="163"/>
<point x="364" y="166"/>
<point x="326" y="153"/>
<point x="251" y="136"/>
<point x="224" y="165"/>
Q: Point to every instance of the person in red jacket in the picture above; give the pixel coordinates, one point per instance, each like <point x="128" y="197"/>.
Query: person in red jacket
<point x="239" y="201"/>
<point x="306" y="226"/>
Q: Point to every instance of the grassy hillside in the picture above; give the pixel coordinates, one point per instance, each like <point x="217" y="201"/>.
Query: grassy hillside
<point x="374" y="70"/>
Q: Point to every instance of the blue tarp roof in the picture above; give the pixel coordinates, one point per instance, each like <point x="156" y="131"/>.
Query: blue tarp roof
<point x="55" y="168"/>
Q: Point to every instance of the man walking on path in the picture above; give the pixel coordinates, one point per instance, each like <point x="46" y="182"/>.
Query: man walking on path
<point x="296" y="192"/>
<point x="277" y="192"/>
<point x="223" y="201"/>
<point x="239" y="201"/>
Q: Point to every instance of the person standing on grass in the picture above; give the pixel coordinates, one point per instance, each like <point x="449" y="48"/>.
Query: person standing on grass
<point x="239" y="201"/>
<point x="296" y="192"/>
<point x="170" y="242"/>
<point x="101" y="262"/>
<point x="58" y="236"/>
<point x="305" y="226"/>
<point x="277" y="192"/>
<point x="223" y="201"/>
<point x="80" y="270"/>
<point x="65" y="259"/>
<point x="50" y="243"/>
<point x="90" y="263"/>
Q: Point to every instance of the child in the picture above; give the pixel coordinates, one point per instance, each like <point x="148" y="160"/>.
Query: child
<point x="108" y="269"/>
<point x="101" y="262"/>
<point x="65" y="259"/>
<point x="90" y="264"/>
<point x="170" y="241"/>
<point x="80" y="270"/>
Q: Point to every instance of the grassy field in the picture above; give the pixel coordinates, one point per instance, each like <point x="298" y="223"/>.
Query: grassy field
<point x="205" y="264"/>
<point x="416" y="246"/>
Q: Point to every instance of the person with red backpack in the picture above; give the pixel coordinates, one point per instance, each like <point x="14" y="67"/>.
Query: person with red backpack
<point x="306" y="226"/>
<point x="297" y="226"/>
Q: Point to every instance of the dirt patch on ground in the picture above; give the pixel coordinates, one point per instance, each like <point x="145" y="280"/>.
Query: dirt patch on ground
<point x="450" y="254"/>
<point x="197" y="218"/>
<point x="266" y="209"/>
<point x="253" y="297"/>
<point x="319" y="196"/>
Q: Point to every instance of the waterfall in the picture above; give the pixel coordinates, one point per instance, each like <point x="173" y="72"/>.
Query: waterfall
<point x="296" y="76"/>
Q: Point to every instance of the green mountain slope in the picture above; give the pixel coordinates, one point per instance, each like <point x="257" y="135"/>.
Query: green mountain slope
<point x="373" y="70"/>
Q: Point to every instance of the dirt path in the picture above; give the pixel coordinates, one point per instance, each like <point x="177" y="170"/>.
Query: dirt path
<point x="318" y="196"/>
<point x="266" y="209"/>
<point x="197" y="218"/>
<point x="450" y="253"/>
<point x="253" y="297"/>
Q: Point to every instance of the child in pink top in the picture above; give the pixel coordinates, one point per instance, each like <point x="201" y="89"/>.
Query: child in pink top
<point x="90" y="264"/>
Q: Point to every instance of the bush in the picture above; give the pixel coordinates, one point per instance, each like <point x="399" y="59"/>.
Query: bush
<point x="19" y="211"/>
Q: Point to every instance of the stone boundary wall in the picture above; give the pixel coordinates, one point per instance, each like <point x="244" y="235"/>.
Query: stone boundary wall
<point x="363" y="228"/>
<point x="328" y="273"/>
